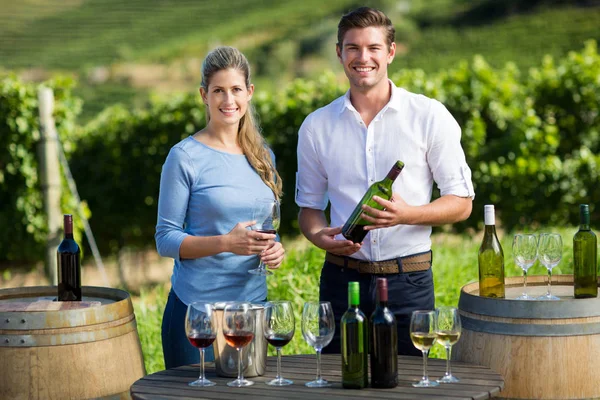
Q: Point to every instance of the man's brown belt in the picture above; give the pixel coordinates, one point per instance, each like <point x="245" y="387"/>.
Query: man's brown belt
<point x="412" y="263"/>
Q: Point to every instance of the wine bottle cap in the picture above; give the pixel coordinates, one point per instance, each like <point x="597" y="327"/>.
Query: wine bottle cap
<point x="68" y="223"/>
<point x="382" y="289"/>
<point x="489" y="215"/>
<point x="353" y="293"/>
<point x="584" y="213"/>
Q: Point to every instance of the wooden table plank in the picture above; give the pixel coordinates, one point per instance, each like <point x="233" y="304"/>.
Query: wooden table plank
<point x="477" y="382"/>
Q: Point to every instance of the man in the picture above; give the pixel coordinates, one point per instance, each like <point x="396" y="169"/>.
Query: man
<point x="353" y="142"/>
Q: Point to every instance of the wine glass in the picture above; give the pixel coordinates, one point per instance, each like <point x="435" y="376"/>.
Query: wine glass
<point x="549" y="254"/>
<point x="279" y="327"/>
<point x="267" y="216"/>
<point x="524" y="249"/>
<point x="201" y="331"/>
<point x="238" y="330"/>
<point x="318" y="327"/>
<point x="447" y="334"/>
<point x="422" y="334"/>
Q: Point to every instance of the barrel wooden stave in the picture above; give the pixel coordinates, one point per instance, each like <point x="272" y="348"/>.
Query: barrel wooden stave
<point x="72" y="359"/>
<point x="539" y="358"/>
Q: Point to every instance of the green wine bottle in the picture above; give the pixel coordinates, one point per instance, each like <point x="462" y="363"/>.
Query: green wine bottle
<point x="354" y="342"/>
<point x="491" y="258"/>
<point x="354" y="228"/>
<point x="585" y="268"/>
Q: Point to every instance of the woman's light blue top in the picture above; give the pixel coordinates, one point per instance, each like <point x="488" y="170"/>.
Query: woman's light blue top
<point x="206" y="192"/>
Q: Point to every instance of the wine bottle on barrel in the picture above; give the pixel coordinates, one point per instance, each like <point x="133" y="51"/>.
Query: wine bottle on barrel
<point x="491" y="259"/>
<point x="69" y="264"/>
<point x="354" y="228"/>
<point x="384" y="341"/>
<point x="585" y="267"/>
<point x="355" y="344"/>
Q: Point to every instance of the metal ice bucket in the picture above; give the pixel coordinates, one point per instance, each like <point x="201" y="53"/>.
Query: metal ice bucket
<point x="254" y="355"/>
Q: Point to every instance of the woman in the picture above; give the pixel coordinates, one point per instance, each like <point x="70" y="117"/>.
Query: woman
<point x="208" y="184"/>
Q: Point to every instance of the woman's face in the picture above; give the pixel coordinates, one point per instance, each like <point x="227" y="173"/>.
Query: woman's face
<point x="227" y="97"/>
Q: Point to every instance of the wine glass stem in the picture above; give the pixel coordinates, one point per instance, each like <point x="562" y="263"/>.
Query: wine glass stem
<point x="201" y="364"/>
<point x="240" y="378"/>
<point x="278" y="377"/>
<point x="524" y="281"/>
<point x="448" y="353"/>
<point x="549" y="280"/>
<point x="425" y="354"/>
<point x="319" y="364"/>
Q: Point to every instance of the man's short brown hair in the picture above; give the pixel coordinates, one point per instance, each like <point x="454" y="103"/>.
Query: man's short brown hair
<point x="365" y="17"/>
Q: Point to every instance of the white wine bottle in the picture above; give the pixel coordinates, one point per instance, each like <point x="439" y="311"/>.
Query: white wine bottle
<point x="491" y="259"/>
<point x="585" y="264"/>
<point x="354" y="228"/>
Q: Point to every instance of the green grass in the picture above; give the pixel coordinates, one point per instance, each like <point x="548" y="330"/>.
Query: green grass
<point x="455" y="265"/>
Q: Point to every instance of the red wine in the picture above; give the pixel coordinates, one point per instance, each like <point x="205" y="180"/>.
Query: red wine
<point x="201" y="340"/>
<point x="269" y="231"/>
<point x="278" y="341"/>
<point x="384" y="345"/>
<point x="68" y="262"/>
<point x="238" y="340"/>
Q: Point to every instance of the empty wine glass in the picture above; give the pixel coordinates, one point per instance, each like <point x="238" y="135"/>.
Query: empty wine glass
<point x="279" y="327"/>
<point x="447" y="334"/>
<point x="422" y="333"/>
<point x="201" y="331"/>
<point x="238" y="330"/>
<point x="549" y="254"/>
<point x="524" y="249"/>
<point x="267" y="216"/>
<point x="318" y="327"/>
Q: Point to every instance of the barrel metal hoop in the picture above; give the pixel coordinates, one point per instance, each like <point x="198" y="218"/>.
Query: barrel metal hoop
<point x="501" y="328"/>
<point x="57" y="339"/>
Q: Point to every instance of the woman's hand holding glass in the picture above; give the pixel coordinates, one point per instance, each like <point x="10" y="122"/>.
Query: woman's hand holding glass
<point x="423" y="334"/>
<point x="549" y="254"/>
<point x="238" y="330"/>
<point x="318" y="327"/>
<point x="448" y="332"/>
<point x="267" y="215"/>
<point x="524" y="247"/>
<point x="201" y="330"/>
<point x="279" y="327"/>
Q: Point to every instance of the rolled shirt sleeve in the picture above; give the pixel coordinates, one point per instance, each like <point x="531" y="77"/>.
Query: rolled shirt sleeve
<point x="445" y="155"/>
<point x="311" y="178"/>
<point x="176" y="180"/>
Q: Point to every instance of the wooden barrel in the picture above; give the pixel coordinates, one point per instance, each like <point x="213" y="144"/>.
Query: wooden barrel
<point x="543" y="349"/>
<point x="68" y="350"/>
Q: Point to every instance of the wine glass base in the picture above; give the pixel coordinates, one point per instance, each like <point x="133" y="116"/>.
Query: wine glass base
<point x="279" y="382"/>
<point x="318" y="383"/>
<point x="448" y="379"/>
<point x="202" y="382"/>
<point x="426" y="383"/>
<point x="548" y="296"/>
<point x="261" y="272"/>
<point x="240" y="383"/>
<point x="525" y="296"/>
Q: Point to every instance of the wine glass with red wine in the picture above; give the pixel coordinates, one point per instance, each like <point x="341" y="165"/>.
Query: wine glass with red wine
<point x="201" y="331"/>
<point x="238" y="329"/>
<point x="267" y="216"/>
<point x="279" y="327"/>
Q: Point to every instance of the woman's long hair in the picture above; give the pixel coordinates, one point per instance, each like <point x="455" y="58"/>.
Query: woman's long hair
<point x="249" y="137"/>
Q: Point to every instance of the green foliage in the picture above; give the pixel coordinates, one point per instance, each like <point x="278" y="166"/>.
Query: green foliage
<point x="20" y="187"/>
<point x="149" y="308"/>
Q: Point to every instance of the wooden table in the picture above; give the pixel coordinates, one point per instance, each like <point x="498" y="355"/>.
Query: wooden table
<point x="477" y="382"/>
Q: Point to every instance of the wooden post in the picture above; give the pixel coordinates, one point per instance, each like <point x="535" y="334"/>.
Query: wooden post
<point x="50" y="178"/>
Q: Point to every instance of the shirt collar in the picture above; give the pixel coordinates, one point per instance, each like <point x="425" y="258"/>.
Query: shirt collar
<point x="394" y="102"/>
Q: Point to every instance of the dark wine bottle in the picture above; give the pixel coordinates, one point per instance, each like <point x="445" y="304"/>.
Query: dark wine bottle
<point x="384" y="341"/>
<point x="491" y="259"/>
<point x="355" y="351"/>
<point x="585" y="268"/>
<point x="69" y="264"/>
<point x="354" y="227"/>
